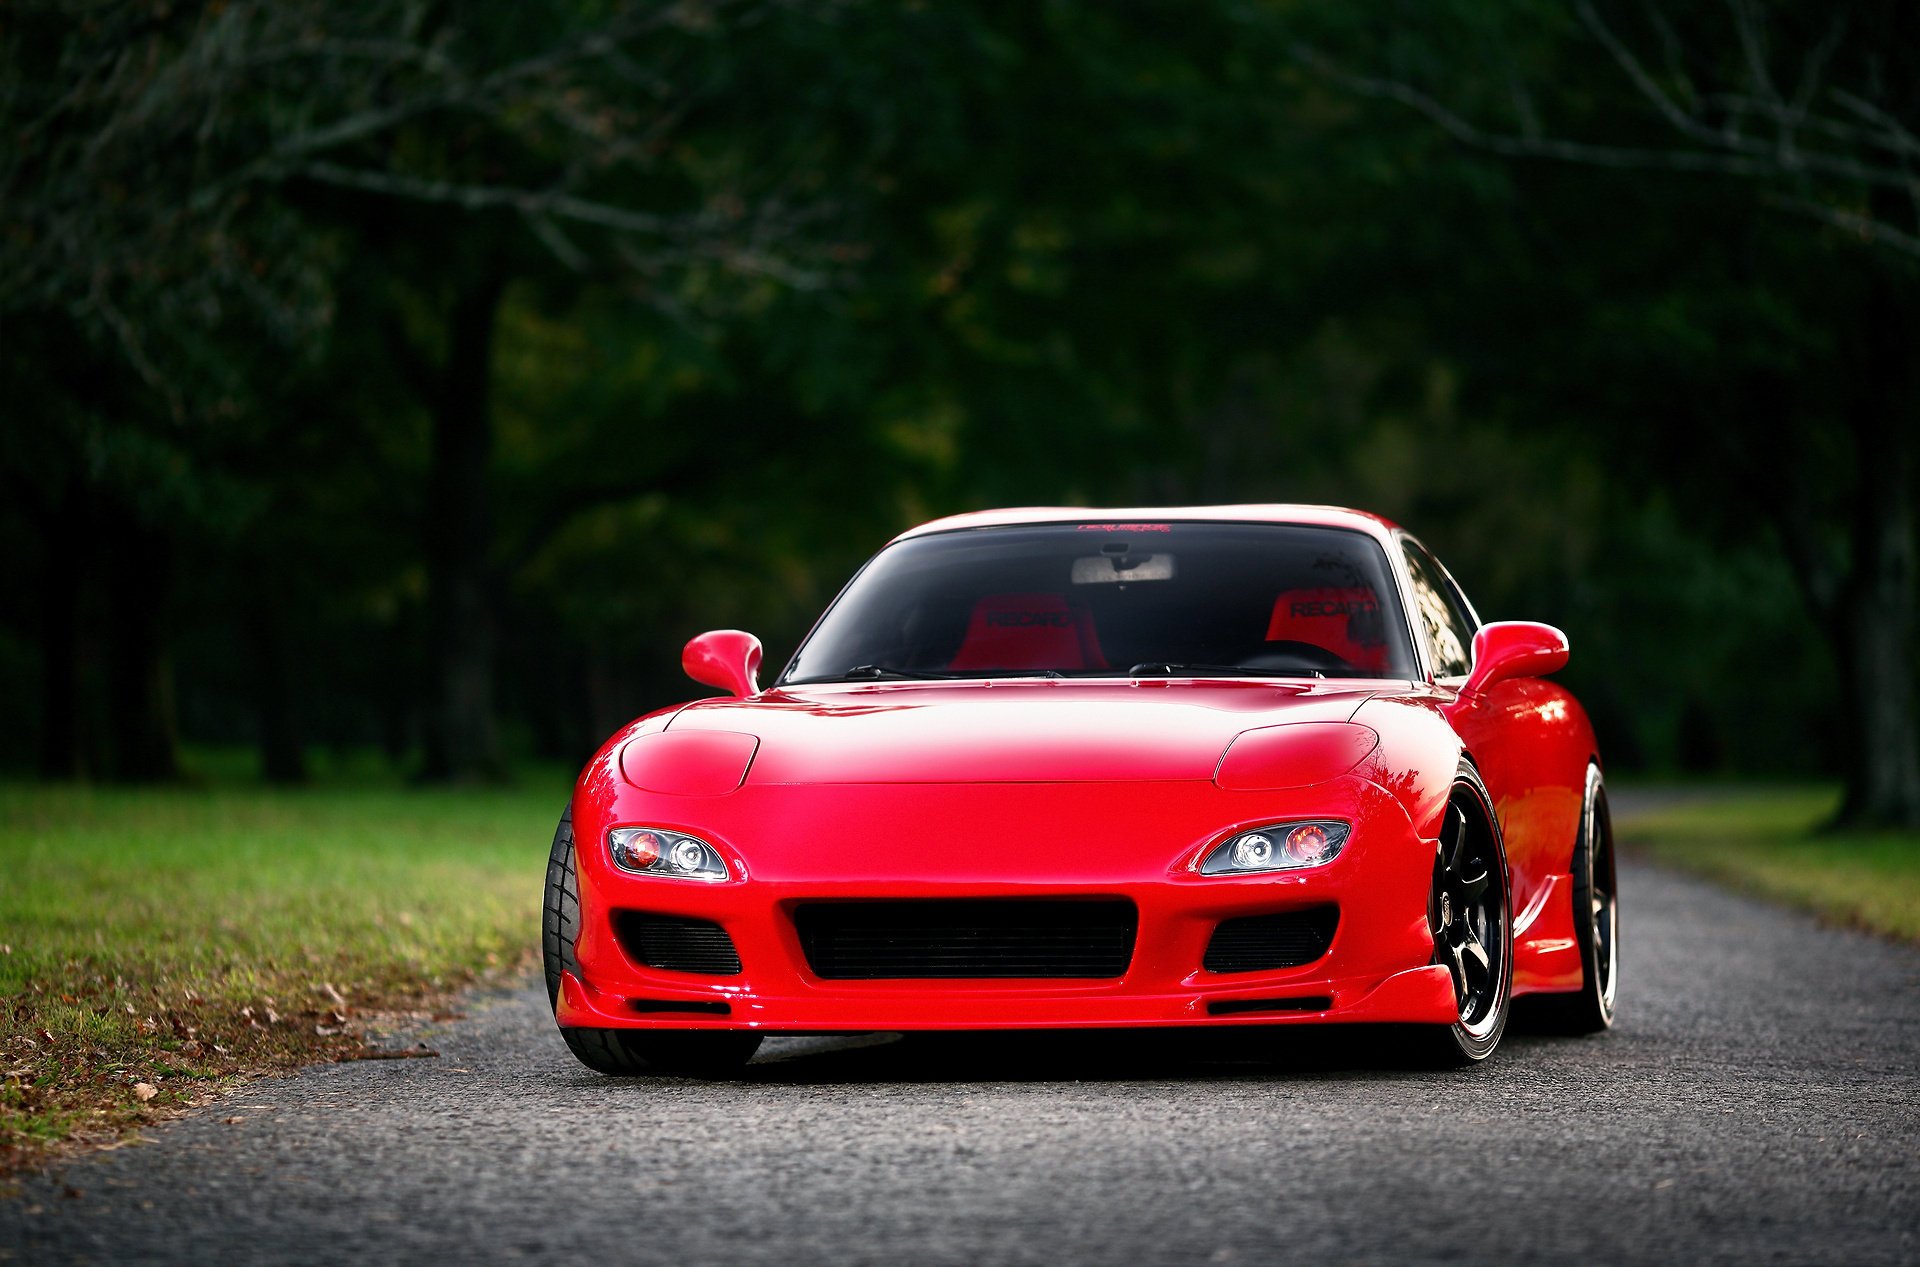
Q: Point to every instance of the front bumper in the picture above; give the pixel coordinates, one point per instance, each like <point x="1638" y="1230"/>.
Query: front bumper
<point x="795" y="844"/>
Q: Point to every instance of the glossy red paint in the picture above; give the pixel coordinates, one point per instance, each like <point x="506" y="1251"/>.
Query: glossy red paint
<point x="1514" y="648"/>
<point x="726" y="658"/>
<point x="689" y="762"/>
<point x="1299" y="754"/>
<point x="1079" y="787"/>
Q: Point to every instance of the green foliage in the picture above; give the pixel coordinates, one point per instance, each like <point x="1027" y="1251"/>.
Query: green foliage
<point x="1768" y="842"/>
<point x="779" y="280"/>
<point x="228" y="887"/>
<point x="163" y="939"/>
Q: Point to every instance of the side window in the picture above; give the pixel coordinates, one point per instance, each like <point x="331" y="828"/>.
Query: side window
<point x="1442" y="614"/>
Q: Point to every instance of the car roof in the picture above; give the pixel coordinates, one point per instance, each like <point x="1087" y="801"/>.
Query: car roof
<point x="1126" y="517"/>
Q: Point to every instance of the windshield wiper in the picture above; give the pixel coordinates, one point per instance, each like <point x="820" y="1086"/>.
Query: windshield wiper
<point x="1162" y="668"/>
<point x="872" y="671"/>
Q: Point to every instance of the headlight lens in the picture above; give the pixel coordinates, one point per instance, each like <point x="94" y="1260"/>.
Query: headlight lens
<point x="1278" y="847"/>
<point x="657" y="851"/>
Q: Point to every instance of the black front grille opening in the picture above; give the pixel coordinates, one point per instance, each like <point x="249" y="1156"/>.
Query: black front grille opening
<point x="676" y="943"/>
<point x="1285" y="939"/>
<point x="970" y="938"/>
<point x="711" y="1007"/>
<point x="1305" y="1003"/>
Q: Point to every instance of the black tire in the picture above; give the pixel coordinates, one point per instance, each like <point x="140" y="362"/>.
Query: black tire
<point x="1596" y="923"/>
<point x="1470" y="913"/>
<point x="620" y="1052"/>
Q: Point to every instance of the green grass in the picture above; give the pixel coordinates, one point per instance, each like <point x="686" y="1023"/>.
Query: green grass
<point x="168" y="938"/>
<point x="1769" y="842"/>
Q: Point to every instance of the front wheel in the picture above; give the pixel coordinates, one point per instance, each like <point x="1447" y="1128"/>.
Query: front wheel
<point x="620" y="1052"/>
<point x="1470" y="916"/>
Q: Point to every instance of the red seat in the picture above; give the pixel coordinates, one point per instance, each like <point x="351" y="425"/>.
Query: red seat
<point x="1344" y="621"/>
<point x="1029" y="631"/>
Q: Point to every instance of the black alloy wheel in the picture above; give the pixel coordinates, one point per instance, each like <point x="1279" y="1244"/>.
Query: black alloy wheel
<point x="620" y="1052"/>
<point x="1470" y="918"/>
<point x="1596" y="921"/>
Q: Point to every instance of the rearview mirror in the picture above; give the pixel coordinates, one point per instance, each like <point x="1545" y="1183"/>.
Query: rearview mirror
<point x="1514" y="648"/>
<point x="726" y="658"/>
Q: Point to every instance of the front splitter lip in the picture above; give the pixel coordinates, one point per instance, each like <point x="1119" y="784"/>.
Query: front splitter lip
<point x="1422" y="995"/>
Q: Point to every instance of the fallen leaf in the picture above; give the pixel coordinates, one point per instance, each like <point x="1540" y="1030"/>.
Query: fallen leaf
<point x="233" y="1121"/>
<point x="144" y="1091"/>
<point x="46" y="1036"/>
<point x="333" y="996"/>
<point x="326" y="1031"/>
<point x="273" y="1017"/>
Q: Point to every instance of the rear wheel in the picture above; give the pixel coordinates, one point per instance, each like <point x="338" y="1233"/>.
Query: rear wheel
<point x="1470" y="917"/>
<point x="1596" y="921"/>
<point x="619" y="1052"/>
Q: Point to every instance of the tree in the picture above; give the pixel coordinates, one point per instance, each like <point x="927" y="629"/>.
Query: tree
<point x="1816" y="109"/>
<point x="165" y="180"/>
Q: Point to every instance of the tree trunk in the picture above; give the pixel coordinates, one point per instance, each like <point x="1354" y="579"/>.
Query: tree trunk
<point x="1873" y="623"/>
<point x="64" y="566"/>
<point x="283" y="759"/>
<point x="461" y="739"/>
<point x="144" y="741"/>
<point x="1876" y="631"/>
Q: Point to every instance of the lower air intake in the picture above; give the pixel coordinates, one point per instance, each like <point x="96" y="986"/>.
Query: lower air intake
<point x="676" y="943"/>
<point x="1286" y="939"/>
<point x="969" y="938"/>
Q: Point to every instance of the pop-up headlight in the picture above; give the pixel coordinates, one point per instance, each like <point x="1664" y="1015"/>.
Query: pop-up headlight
<point x="657" y="851"/>
<point x="1280" y="847"/>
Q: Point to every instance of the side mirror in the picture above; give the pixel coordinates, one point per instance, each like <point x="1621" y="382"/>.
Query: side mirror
<point x="1514" y="648"/>
<point x="726" y="658"/>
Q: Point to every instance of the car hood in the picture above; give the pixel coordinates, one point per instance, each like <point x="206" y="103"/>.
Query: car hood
<point x="1007" y="731"/>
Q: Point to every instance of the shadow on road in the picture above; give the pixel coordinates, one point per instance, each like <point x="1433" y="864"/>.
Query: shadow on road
<point x="1369" y="1051"/>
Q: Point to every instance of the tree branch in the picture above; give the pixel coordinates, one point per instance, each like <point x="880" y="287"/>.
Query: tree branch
<point x="1854" y="143"/>
<point x="1868" y="228"/>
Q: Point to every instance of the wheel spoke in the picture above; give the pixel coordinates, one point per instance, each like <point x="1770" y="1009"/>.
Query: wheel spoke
<point x="1472" y="889"/>
<point x="1457" y="970"/>
<point x="1453" y="840"/>
<point x="1474" y="960"/>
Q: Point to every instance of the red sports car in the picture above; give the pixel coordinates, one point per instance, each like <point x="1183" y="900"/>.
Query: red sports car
<point x="1063" y="768"/>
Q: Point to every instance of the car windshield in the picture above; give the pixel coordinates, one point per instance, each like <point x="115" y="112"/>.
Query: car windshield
<point x="1096" y="600"/>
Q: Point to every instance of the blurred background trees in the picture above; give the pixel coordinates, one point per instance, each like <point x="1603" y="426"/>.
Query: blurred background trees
<point x="416" y="378"/>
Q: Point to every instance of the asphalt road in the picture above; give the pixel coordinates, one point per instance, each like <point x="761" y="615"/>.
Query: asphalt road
<point x="1758" y="1102"/>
